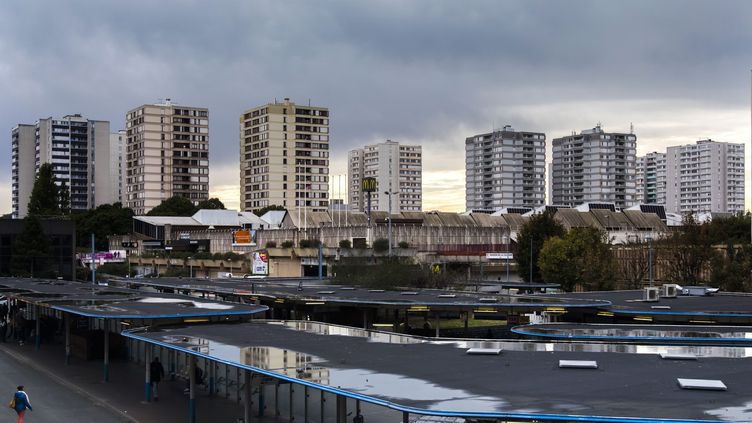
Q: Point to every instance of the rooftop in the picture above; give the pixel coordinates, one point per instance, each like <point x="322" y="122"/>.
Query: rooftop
<point x="524" y="381"/>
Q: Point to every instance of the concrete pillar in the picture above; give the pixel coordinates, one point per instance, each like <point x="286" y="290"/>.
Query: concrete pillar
<point x="405" y="417"/>
<point x="305" y="403"/>
<point x="437" y="324"/>
<point x="291" y="411"/>
<point x="37" y="335"/>
<point x="106" y="350"/>
<point x="67" y="319"/>
<point x="192" y="389"/>
<point x="147" y="361"/>
<point x="341" y="409"/>
<point x="247" y="404"/>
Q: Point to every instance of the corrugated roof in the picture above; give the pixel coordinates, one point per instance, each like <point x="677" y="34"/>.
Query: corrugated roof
<point x="169" y="220"/>
<point x="645" y="221"/>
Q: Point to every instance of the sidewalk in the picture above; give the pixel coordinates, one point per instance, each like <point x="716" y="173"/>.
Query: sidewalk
<point x="124" y="393"/>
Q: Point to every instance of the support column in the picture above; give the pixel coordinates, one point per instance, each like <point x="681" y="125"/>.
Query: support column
<point x="438" y="321"/>
<point x="365" y="319"/>
<point x="341" y="409"/>
<point x="467" y="318"/>
<point x="247" y="404"/>
<point x="192" y="390"/>
<point x="305" y="403"/>
<point x="291" y="414"/>
<point x="37" y="335"/>
<point x="106" y="350"/>
<point x="67" y="319"/>
<point x="405" y="417"/>
<point x="212" y="371"/>
<point x="147" y="361"/>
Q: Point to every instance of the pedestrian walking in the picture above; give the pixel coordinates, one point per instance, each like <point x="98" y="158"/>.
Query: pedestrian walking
<point x="156" y="373"/>
<point x="20" y="403"/>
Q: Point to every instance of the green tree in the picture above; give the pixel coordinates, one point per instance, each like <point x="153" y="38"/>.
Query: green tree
<point x="30" y="249"/>
<point x="212" y="204"/>
<point x="262" y="211"/>
<point x="45" y="195"/>
<point x="174" y="206"/>
<point x="731" y="271"/>
<point x="688" y="252"/>
<point x="104" y="221"/>
<point x="581" y="258"/>
<point x="533" y="234"/>
<point x="64" y="195"/>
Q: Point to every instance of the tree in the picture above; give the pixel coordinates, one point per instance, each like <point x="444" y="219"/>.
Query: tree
<point x="731" y="271"/>
<point x="345" y="244"/>
<point x="212" y="204"/>
<point x="535" y="232"/>
<point x="30" y="249"/>
<point x="45" y="195"/>
<point x="174" y="206"/>
<point x="64" y="195"/>
<point x="635" y="267"/>
<point x="581" y="258"/>
<point x="262" y="211"/>
<point x="103" y="221"/>
<point x="688" y="253"/>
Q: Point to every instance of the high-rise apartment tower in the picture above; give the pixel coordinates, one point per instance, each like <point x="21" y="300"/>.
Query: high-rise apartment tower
<point x="167" y="155"/>
<point x="78" y="149"/>
<point x="505" y="168"/>
<point x="397" y="169"/>
<point x="705" y="177"/>
<point x="594" y="167"/>
<point x="651" y="179"/>
<point x="284" y="156"/>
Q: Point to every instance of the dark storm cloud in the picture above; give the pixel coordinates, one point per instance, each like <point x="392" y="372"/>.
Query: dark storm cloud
<point x="415" y="71"/>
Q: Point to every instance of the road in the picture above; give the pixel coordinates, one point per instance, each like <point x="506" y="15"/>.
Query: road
<point x="52" y="401"/>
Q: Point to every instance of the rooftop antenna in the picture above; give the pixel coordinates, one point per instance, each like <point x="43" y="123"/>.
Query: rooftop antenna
<point x="309" y="102"/>
<point x="631" y="128"/>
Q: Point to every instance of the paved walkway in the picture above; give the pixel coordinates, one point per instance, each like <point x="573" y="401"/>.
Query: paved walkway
<point x="121" y="399"/>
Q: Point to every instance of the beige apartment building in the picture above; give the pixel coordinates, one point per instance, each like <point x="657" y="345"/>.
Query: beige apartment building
<point x="167" y="154"/>
<point x="284" y="156"/>
<point x="397" y="169"/>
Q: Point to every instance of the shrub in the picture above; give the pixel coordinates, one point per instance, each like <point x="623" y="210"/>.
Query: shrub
<point x="287" y="244"/>
<point x="380" y="245"/>
<point x="309" y="243"/>
<point x="271" y="244"/>
<point x="404" y="244"/>
<point x="345" y="243"/>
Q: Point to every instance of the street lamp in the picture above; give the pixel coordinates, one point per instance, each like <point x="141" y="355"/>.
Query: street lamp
<point x="389" y="220"/>
<point x="190" y="263"/>
<point x="230" y="261"/>
<point x="649" y="239"/>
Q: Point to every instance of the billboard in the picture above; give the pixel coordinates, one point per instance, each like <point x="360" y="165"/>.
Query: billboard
<point x="260" y="263"/>
<point x="244" y="237"/>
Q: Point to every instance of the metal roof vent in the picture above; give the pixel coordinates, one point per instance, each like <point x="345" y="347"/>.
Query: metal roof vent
<point x="702" y="384"/>
<point x="677" y="356"/>
<point x="483" y="351"/>
<point x="578" y="364"/>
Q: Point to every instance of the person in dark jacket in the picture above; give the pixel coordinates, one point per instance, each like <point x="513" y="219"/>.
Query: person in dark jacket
<point x="22" y="403"/>
<point x="156" y="373"/>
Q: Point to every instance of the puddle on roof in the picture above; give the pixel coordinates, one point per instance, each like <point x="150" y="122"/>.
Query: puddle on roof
<point x="509" y="345"/>
<point x="315" y="369"/>
<point x="709" y="333"/>
<point x="186" y="302"/>
<point x="742" y="413"/>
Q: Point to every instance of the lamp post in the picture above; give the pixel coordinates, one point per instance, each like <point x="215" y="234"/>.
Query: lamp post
<point x="190" y="263"/>
<point x="389" y="221"/>
<point x="230" y="261"/>
<point x="650" y="258"/>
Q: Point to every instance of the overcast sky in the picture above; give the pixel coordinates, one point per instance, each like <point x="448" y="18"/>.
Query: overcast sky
<point x="428" y="72"/>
